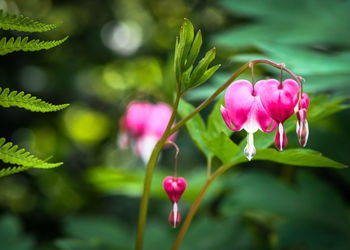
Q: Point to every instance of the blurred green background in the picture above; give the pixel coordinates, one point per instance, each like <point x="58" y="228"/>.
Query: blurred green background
<point x="121" y="50"/>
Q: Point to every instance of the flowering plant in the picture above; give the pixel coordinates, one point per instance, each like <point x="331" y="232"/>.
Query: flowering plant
<point x="266" y="106"/>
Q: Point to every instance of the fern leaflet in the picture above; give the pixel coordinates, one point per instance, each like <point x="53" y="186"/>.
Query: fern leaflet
<point x="22" y="100"/>
<point x="12" y="170"/>
<point x="12" y="45"/>
<point x="10" y="153"/>
<point x="21" y="23"/>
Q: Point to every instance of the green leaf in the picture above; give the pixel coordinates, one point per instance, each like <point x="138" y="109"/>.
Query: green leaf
<point x="21" y="23"/>
<point x="196" y="46"/>
<point x="296" y="157"/>
<point x="186" y="76"/>
<point x="22" y="100"/>
<point x="12" y="170"/>
<point x="216" y="123"/>
<point x="207" y="74"/>
<point x="187" y="34"/>
<point x="202" y="67"/>
<point x="222" y="146"/>
<point x="23" y="45"/>
<point x="10" y="153"/>
<point x="195" y="126"/>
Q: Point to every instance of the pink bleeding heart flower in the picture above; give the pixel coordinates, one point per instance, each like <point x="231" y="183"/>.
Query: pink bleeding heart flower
<point x="279" y="102"/>
<point x="245" y="111"/>
<point x="302" y="125"/>
<point x="174" y="189"/>
<point x="143" y="125"/>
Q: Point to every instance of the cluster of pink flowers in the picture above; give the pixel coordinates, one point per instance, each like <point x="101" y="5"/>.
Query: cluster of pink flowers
<point x="265" y="106"/>
<point x="142" y="126"/>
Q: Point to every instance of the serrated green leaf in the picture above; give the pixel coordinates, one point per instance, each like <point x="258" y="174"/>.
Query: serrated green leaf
<point x="196" y="46"/>
<point x="195" y="126"/>
<point x="9" y="153"/>
<point x="22" y="100"/>
<point x="12" y="170"/>
<point x="24" y="45"/>
<point x="222" y="147"/>
<point x="202" y="66"/>
<point x="21" y="23"/>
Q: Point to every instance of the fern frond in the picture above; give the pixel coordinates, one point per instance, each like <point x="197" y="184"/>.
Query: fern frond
<point x="12" y="45"/>
<point x="10" y="153"/>
<point x="21" y="23"/>
<point x="22" y="100"/>
<point x="12" y="170"/>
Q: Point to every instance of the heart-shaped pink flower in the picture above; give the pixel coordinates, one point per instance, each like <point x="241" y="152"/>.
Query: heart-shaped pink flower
<point x="245" y="111"/>
<point x="279" y="101"/>
<point x="142" y="126"/>
<point x="174" y="187"/>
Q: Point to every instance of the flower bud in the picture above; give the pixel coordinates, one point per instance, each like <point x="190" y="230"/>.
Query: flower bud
<point x="302" y="127"/>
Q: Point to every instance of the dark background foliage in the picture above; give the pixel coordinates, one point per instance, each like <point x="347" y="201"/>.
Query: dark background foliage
<point x="121" y="50"/>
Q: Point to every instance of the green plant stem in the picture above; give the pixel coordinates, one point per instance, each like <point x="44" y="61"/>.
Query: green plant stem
<point x="196" y="204"/>
<point x="149" y="174"/>
<point x="169" y="131"/>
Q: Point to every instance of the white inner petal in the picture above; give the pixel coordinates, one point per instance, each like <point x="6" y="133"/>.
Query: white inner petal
<point x="307" y="132"/>
<point x="251" y="125"/>
<point x="249" y="150"/>
<point x="175" y="213"/>
<point x="280" y="130"/>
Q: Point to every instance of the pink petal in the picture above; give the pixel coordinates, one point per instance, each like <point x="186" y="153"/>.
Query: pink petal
<point x="136" y="116"/>
<point x="158" y="119"/>
<point x="304" y="101"/>
<point x="259" y="113"/>
<point x="238" y="102"/>
<point x="227" y="119"/>
<point x="279" y="102"/>
<point x="174" y="188"/>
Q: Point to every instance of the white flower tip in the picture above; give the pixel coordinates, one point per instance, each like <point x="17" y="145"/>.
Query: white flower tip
<point x="249" y="150"/>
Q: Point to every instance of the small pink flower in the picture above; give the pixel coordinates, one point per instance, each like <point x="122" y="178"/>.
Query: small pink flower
<point x="174" y="189"/>
<point x="143" y="125"/>
<point x="279" y="102"/>
<point x="302" y="125"/>
<point x="245" y="111"/>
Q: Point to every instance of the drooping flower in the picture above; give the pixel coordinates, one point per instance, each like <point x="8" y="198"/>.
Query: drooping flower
<point x="302" y="125"/>
<point x="174" y="187"/>
<point x="142" y="126"/>
<point x="245" y="111"/>
<point x="279" y="101"/>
